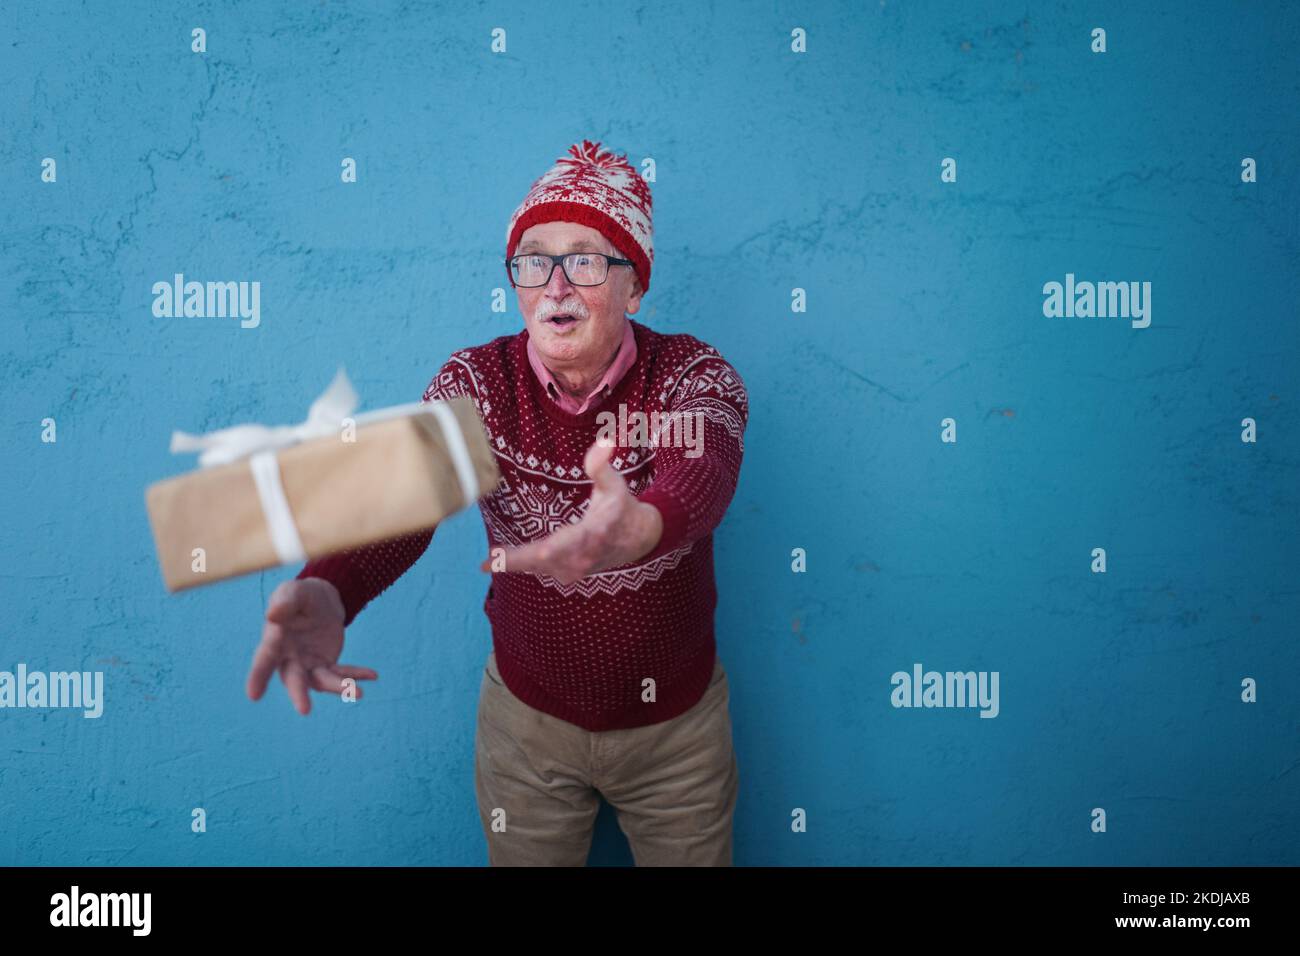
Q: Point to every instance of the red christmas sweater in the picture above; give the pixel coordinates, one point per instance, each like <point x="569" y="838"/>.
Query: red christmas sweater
<point x="580" y="652"/>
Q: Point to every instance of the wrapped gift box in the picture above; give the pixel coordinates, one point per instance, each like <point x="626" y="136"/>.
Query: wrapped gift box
<point x="269" y="496"/>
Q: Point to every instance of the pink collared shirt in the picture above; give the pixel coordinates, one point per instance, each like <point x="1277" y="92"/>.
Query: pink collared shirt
<point x="622" y="362"/>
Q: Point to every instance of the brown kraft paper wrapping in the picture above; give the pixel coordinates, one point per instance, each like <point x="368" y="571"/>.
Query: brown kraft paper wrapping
<point x="396" y="477"/>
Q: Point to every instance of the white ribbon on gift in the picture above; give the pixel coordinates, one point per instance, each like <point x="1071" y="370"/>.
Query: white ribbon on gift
<point x="259" y="443"/>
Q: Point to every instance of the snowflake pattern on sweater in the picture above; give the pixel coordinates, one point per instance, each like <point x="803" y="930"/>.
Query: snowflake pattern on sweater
<point x="581" y="651"/>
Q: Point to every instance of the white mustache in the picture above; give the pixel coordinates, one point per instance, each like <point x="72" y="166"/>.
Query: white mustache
<point x="577" y="309"/>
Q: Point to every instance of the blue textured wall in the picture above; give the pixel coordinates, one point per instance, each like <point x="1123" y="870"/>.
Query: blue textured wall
<point x="775" y="170"/>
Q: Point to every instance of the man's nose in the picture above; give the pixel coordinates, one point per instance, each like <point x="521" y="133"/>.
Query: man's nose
<point x="559" y="285"/>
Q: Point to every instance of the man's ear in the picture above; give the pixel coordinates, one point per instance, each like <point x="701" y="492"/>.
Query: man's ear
<point x="634" y="297"/>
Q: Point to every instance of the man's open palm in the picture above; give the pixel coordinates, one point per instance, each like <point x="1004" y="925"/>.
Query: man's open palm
<point x="616" y="529"/>
<point x="302" y="638"/>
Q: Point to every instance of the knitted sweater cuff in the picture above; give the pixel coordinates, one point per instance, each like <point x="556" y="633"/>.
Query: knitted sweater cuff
<point x="675" y="518"/>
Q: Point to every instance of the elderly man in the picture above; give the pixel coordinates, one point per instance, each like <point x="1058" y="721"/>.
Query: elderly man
<point x="603" y="678"/>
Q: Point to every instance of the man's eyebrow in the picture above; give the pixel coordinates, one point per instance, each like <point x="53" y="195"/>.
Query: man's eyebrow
<point x="586" y="245"/>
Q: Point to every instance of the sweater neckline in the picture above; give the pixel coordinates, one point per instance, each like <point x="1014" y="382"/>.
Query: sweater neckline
<point x="551" y="408"/>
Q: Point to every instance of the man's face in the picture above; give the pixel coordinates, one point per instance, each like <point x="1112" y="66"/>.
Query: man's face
<point x="597" y="324"/>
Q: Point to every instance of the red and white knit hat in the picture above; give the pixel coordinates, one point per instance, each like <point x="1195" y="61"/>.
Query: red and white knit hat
<point x="593" y="187"/>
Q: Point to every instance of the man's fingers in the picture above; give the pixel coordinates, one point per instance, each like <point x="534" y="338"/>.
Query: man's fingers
<point x="325" y="680"/>
<point x="358" y="673"/>
<point x="295" y="681"/>
<point x="328" y="681"/>
<point x="515" y="559"/>
<point x="602" y="473"/>
<point x="511" y="559"/>
<point x="565" y="566"/>
<point x="264" y="661"/>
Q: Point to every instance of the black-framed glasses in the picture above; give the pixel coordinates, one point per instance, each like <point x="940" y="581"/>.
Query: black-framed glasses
<point x="535" y="269"/>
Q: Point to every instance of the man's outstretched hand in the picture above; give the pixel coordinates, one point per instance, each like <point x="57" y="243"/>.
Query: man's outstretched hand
<point x="616" y="529"/>
<point x="302" y="638"/>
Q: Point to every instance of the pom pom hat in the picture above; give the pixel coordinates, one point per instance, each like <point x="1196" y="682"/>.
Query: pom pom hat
<point x="593" y="187"/>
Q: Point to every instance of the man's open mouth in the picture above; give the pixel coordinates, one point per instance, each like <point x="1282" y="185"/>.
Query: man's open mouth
<point x="562" y="318"/>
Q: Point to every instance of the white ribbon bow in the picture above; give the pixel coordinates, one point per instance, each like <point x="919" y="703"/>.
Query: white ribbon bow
<point x="259" y="444"/>
<point x="230" y="444"/>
